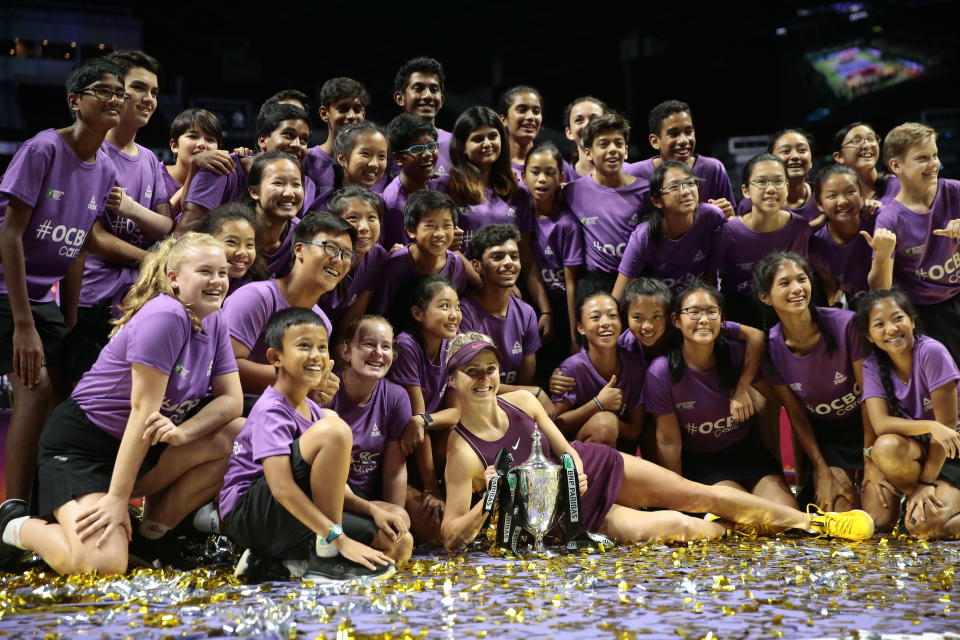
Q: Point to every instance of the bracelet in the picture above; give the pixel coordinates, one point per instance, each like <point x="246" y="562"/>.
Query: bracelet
<point x="545" y="313"/>
<point x="538" y="393"/>
<point x="597" y="400"/>
<point x="929" y="484"/>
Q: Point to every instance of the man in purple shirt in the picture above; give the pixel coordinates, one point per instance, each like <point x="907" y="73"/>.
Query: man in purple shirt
<point x="673" y="135"/>
<point x="418" y="89"/>
<point x="53" y="190"/>
<point x="342" y="101"/>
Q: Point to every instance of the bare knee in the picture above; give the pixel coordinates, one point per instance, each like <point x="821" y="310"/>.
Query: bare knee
<point x="602" y="427"/>
<point x="101" y="563"/>
<point x="329" y="431"/>
<point x="889" y="451"/>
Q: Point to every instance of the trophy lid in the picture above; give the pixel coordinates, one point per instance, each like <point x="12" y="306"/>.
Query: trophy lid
<point x="537" y="460"/>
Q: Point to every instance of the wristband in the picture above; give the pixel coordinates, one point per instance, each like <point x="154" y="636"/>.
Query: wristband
<point x="929" y="484"/>
<point x="545" y="313"/>
<point x="597" y="400"/>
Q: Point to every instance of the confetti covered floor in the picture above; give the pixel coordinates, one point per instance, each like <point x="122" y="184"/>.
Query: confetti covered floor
<point x="789" y="587"/>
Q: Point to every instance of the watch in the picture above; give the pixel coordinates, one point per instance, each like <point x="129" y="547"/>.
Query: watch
<point x="335" y="532"/>
<point x="427" y="420"/>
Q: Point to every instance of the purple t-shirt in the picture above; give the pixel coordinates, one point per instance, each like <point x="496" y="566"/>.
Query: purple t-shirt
<point x="399" y="272"/>
<point x="588" y="382"/>
<point x="392" y="230"/>
<point x="736" y="249"/>
<point x="493" y="210"/>
<point x="675" y="262"/>
<point x="412" y="368"/>
<point x="808" y="211"/>
<point x="608" y="217"/>
<point x="516" y="335"/>
<point x="558" y="243"/>
<point x="272" y="427"/>
<point x="210" y="190"/>
<point x="66" y="194"/>
<point x="849" y="264"/>
<point x="160" y="336"/>
<point x="823" y="381"/>
<point x="933" y="367"/>
<point x="280" y="262"/>
<point x="141" y="176"/>
<point x="363" y="278"/>
<point x="374" y="424"/>
<point x="443" y="165"/>
<point x="168" y="180"/>
<point x="701" y="404"/>
<point x="248" y="310"/>
<point x="318" y="166"/>
<point x="714" y="181"/>
<point x="925" y="266"/>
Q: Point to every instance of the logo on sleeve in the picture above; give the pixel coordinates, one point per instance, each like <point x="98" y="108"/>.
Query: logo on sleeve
<point x="839" y="378"/>
<point x="589" y="220"/>
<point x="55" y="194"/>
<point x="927" y="405"/>
<point x="517" y="348"/>
<point x="680" y="406"/>
<point x="180" y="370"/>
<point x="796" y="386"/>
<point x="911" y="251"/>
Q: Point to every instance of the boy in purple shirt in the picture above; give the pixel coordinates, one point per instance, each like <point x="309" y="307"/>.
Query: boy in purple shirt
<point x="430" y="219"/>
<point x="494" y="311"/>
<point x="53" y="190"/>
<point x="609" y="203"/>
<point x="283" y="492"/>
<point x="280" y="127"/>
<point x="342" y="101"/>
<point x="323" y="253"/>
<point x="415" y="151"/>
<point x="925" y="216"/>
<point x="673" y="135"/>
<point x="418" y="89"/>
<point x="136" y="216"/>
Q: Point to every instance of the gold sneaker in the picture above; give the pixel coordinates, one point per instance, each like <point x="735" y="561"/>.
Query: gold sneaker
<point x="849" y="525"/>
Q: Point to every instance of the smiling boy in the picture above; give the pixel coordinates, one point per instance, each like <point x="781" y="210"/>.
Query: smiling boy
<point x="418" y="90"/>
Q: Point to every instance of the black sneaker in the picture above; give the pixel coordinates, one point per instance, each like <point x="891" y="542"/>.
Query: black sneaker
<point x="254" y="569"/>
<point x="12" y="508"/>
<point x="339" y="569"/>
<point x="165" y="551"/>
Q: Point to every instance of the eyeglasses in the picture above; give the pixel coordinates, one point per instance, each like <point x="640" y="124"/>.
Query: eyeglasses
<point x="763" y="183"/>
<point x="695" y="313"/>
<point x="418" y="149"/>
<point x="859" y="141"/>
<point x="334" y="250"/>
<point x="680" y="185"/>
<point x="104" y="94"/>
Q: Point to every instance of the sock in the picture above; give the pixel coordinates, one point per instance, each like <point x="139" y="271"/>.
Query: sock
<point x="11" y="535"/>
<point x="206" y="519"/>
<point x="326" y="550"/>
<point x="152" y="530"/>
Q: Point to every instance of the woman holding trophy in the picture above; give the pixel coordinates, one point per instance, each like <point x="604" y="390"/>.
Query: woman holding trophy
<point x="614" y="486"/>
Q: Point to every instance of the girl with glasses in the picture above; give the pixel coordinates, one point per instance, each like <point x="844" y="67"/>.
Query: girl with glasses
<point x="857" y="146"/>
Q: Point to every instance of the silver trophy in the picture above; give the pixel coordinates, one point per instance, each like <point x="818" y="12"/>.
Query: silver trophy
<point x="539" y="485"/>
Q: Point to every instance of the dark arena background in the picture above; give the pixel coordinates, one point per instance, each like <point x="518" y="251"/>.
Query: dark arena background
<point x="746" y="70"/>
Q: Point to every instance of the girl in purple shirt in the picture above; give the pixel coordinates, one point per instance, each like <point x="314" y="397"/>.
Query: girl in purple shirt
<point x="815" y="360"/>
<point x="674" y="242"/>
<point x="849" y="260"/>
<point x="613" y="486"/>
<point x="276" y="195"/>
<point x="237" y="227"/>
<point x="558" y="247"/>
<point x="795" y="148"/>
<point x="604" y="405"/>
<point x="124" y="432"/>
<point x="746" y="239"/>
<point x="363" y="209"/>
<point x="420" y="368"/>
<point x="910" y="394"/>
<point x="575" y="117"/>
<point x="857" y="146"/>
<point x="689" y="392"/>
<point x="361" y="151"/>
<point x="521" y="110"/>
<point x="377" y="411"/>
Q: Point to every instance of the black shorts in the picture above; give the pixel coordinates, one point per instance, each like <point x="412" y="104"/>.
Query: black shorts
<point x="87" y="339"/>
<point x="951" y="466"/>
<point x="941" y="321"/>
<point x="840" y="441"/>
<point x="76" y="457"/>
<point x="47" y="318"/>
<point x="261" y="523"/>
<point x="744" y="463"/>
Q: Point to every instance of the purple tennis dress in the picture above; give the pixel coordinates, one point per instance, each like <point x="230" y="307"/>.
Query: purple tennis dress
<point x="602" y="464"/>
